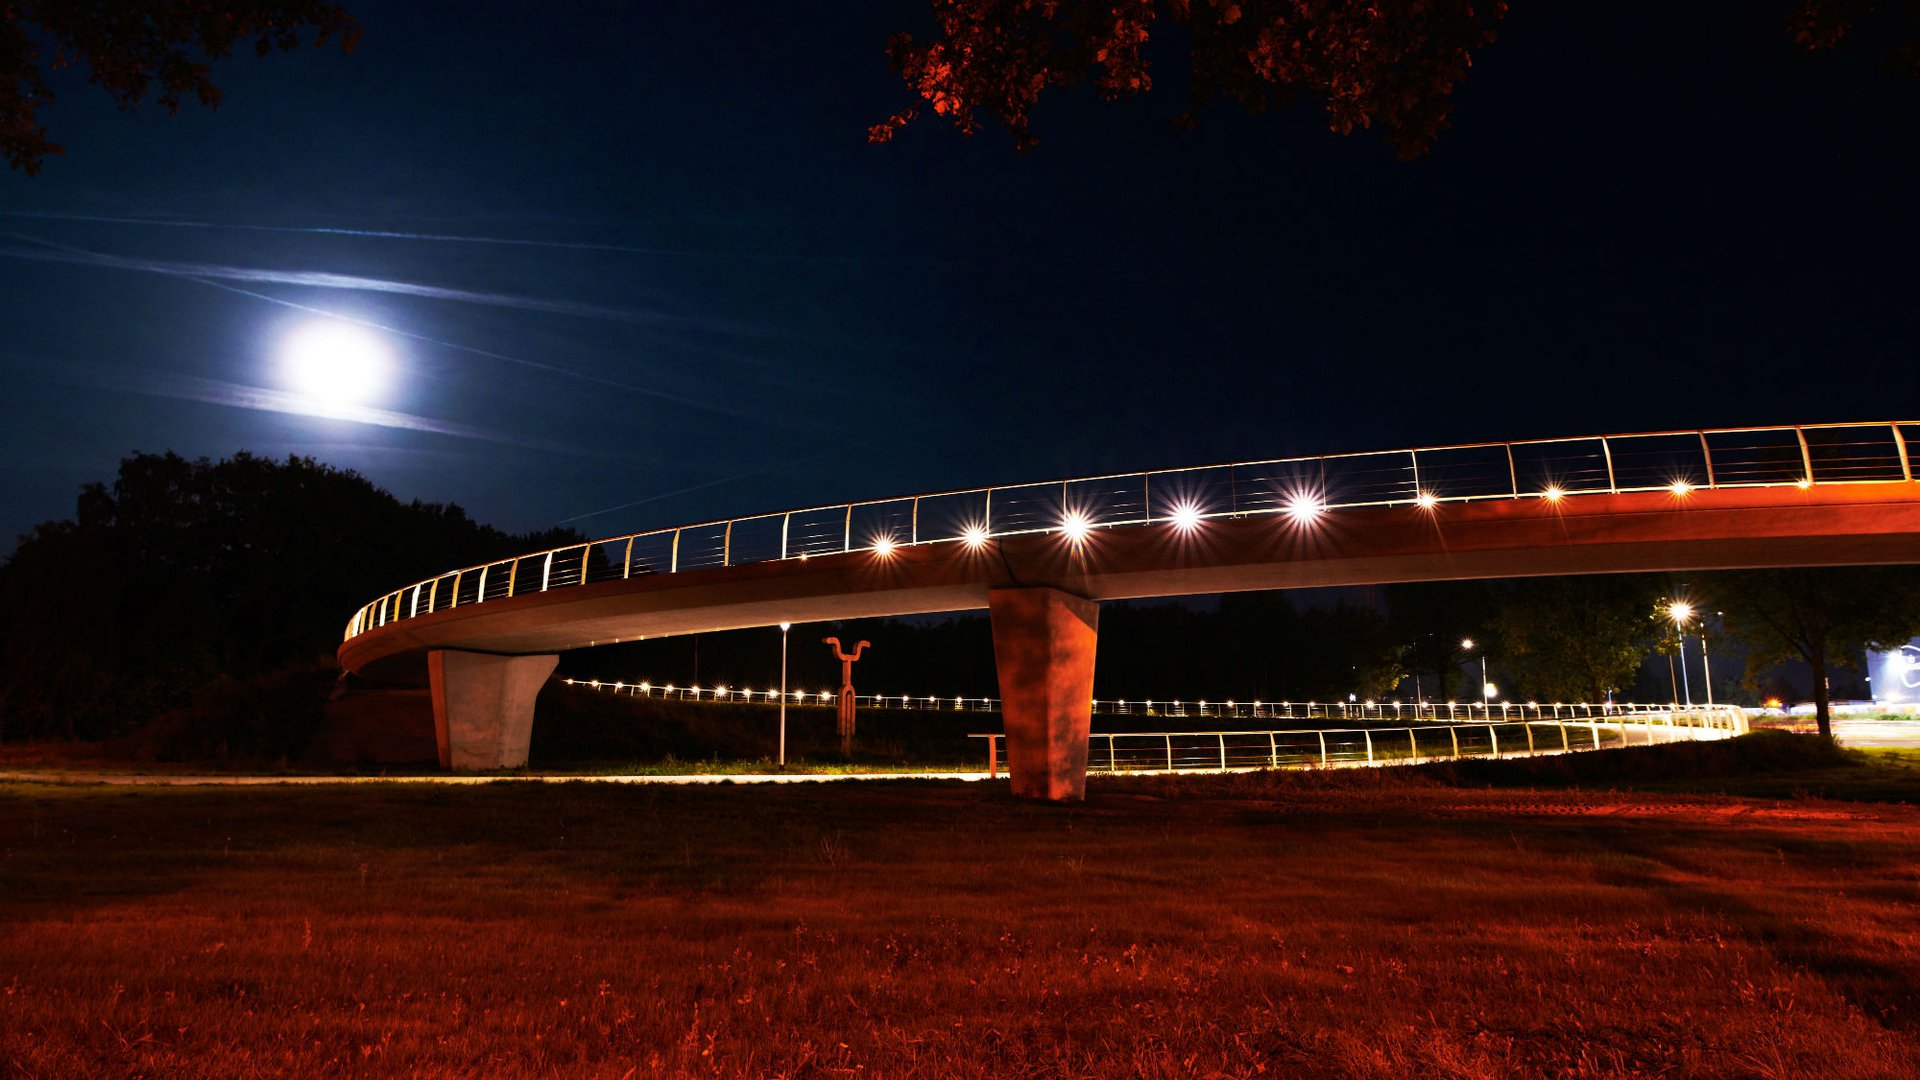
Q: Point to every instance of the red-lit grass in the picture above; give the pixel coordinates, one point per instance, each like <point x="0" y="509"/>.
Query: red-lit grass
<point x="1361" y="924"/>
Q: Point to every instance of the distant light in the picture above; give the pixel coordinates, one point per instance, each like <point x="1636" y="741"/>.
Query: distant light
<point x="1553" y="494"/>
<point x="1427" y="500"/>
<point x="883" y="546"/>
<point x="1681" y="488"/>
<point x="1467" y="644"/>
<point x="1680" y="611"/>
<point x="1075" y="527"/>
<point x="1773" y="703"/>
<point x="1305" y="508"/>
<point x="1185" y="517"/>
<point x="1491" y="691"/>
<point x="974" y="536"/>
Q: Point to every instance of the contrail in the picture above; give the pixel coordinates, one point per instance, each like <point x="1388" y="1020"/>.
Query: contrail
<point x="263" y="399"/>
<point x="441" y="238"/>
<point x="319" y="279"/>
<point x="534" y="365"/>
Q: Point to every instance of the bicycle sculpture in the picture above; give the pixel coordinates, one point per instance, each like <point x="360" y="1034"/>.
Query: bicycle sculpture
<point x="846" y="691"/>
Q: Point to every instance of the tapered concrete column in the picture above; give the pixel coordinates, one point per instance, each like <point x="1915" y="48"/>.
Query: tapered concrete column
<point x="483" y="706"/>
<point x="1043" y="645"/>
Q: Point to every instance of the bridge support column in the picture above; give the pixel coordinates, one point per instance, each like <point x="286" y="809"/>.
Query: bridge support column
<point x="1043" y="646"/>
<point x="483" y="706"/>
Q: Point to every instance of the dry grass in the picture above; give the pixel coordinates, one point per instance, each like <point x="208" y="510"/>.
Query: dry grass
<point x="1371" y="924"/>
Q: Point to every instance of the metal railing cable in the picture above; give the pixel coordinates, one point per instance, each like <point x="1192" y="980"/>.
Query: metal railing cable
<point x="1439" y="712"/>
<point x="1229" y="751"/>
<point x="1680" y="462"/>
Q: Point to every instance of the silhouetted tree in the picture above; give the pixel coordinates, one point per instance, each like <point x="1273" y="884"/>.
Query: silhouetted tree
<point x="1431" y="619"/>
<point x="1573" y="638"/>
<point x="133" y="48"/>
<point x="1391" y="65"/>
<point x="1822" y="616"/>
<point x="184" y="571"/>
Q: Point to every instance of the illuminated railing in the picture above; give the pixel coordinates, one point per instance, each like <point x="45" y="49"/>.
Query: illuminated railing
<point x="1301" y="489"/>
<point x="1429" y="712"/>
<point x="1226" y="751"/>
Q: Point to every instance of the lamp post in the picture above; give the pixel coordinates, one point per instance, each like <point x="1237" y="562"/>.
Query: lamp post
<point x="1681" y="612"/>
<point x="784" y="627"/>
<point x="1486" y="688"/>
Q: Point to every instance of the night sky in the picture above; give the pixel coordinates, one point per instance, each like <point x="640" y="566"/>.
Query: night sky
<point x="649" y="270"/>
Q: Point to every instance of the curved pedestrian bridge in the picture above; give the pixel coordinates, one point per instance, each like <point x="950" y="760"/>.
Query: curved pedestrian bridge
<point x="1041" y="556"/>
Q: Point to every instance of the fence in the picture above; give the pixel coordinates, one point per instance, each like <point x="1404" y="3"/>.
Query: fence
<point x="1382" y="711"/>
<point x="1226" y="751"/>
<point x="1301" y="488"/>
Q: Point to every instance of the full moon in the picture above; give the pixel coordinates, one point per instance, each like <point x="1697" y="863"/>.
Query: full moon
<point x="335" y="363"/>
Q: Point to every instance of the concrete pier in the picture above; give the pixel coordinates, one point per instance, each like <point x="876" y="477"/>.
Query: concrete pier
<point x="1043" y="646"/>
<point x="483" y="706"/>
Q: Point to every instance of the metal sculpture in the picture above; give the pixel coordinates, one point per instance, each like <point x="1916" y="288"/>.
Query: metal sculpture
<point x="846" y="691"/>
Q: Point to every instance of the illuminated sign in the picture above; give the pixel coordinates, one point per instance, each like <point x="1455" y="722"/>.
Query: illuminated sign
<point x="1896" y="674"/>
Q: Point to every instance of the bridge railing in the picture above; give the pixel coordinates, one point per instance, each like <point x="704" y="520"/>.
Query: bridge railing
<point x="1376" y="712"/>
<point x="1300" y="488"/>
<point x="1225" y="751"/>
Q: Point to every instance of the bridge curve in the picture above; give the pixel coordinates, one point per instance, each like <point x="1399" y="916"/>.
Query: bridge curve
<point x="1042" y="559"/>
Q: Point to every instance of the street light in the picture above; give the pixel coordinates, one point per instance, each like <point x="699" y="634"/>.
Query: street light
<point x="1486" y="688"/>
<point x="1680" y="612"/>
<point x="784" y="627"/>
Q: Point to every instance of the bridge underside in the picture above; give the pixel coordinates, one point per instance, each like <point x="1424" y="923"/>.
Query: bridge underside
<point x="1035" y="585"/>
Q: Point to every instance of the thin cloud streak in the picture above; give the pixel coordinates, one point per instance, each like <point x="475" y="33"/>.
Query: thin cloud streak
<point x="440" y="238"/>
<point x="534" y="365"/>
<point x="320" y="279"/>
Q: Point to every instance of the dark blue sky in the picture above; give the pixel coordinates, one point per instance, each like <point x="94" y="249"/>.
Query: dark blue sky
<point x="720" y="299"/>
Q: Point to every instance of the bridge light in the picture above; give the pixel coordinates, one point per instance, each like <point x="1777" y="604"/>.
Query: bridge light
<point x="1467" y="644"/>
<point x="1681" y="488"/>
<point x="646" y="688"/>
<point x="1305" y="508"/>
<point x="1553" y="494"/>
<point x="1803" y="483"/>
<point x="1427" y="500"/>
<point x="883" y="547"/>
<point x="1185" y="517"/>
<point x="974" y="536"/>
<point x="1075" y="527"/>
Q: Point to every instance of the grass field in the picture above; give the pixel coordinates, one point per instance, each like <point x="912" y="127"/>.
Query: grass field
<point x="1500" y="919"/>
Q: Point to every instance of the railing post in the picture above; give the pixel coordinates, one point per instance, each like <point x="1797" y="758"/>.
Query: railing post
<point x="546" y="571"/>
<point x="1495" y="736"/>
<point x="1113" y="759"/>
<point x="480" y="593"/>
<point x="457" y="575"/>
<point x="673" y="564"/>
<point x="1169" y="752"/>
<point x="1273" y="752"/>
<point x="1223" y="751"/>
<point x="1454" y="733"/>
<point x="1323" y="749"/>
<point x="626" y="561"/>
<point x="1566" y="744"/>
<point x="993" y="757"/>
<point x="1369" y="737"/>
<point x="1413" y="745"/>
<point x="1596" y="733"/>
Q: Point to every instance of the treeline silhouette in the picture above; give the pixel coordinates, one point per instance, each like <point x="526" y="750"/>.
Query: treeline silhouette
<point x="180" y="574"/>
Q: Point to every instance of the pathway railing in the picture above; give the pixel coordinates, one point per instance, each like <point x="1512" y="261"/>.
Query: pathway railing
<point x="1300" y="487"/>
<point x="1228" y="751"/>
<point x="1361" y="711"/>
